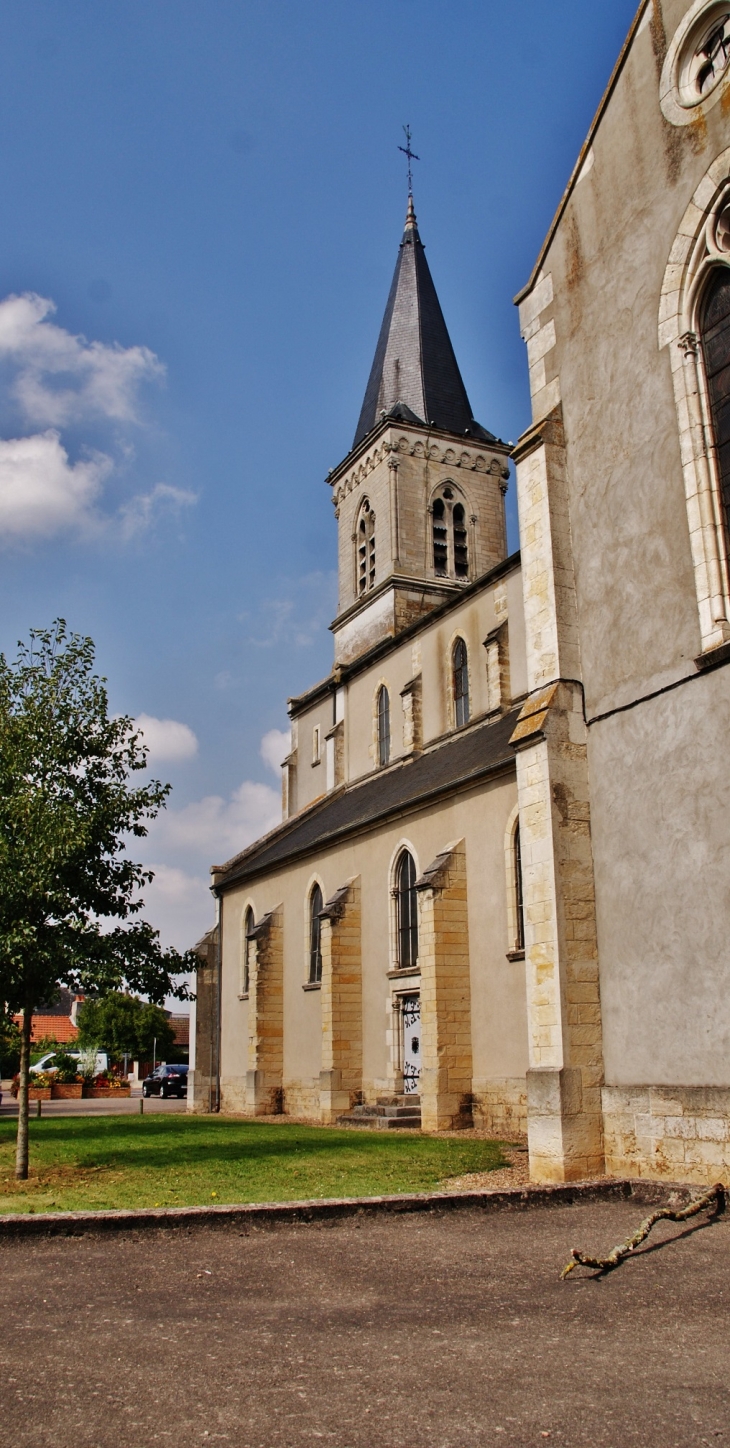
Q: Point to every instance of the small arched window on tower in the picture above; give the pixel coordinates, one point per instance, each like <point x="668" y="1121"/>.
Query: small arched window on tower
<point x="315" y="936"/>
<point x="460" y="664"/>
<point x="248" y="948"/>
<point x="716" y="349"/>
<point x="461" y="549"/>
<point x="406" y="911"/>
<point x="366" y="549"/>
<point x="440" y="539"/>
<point x="383" y="726"/>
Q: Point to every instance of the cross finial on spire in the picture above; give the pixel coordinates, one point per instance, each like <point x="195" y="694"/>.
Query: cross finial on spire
<point x="411" y="155"/>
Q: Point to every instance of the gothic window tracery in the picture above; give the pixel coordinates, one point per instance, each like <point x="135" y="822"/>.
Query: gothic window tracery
<point x="407" y="911"/>
<point x="460" y="679"/>
<point x="383" y="726"/>
<point x="366" y="549"/>
<point x="315" y="936"/>
<point x="461" y="549"/>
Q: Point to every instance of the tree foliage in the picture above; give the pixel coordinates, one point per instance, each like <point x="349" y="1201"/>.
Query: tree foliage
<point x="122" y="1025"/>
<point x="70" y="894"/>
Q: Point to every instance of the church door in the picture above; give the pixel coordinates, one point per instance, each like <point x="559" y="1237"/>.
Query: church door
<point x="411" y="1016"/>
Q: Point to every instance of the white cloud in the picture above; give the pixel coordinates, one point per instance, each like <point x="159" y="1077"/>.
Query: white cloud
<point x="167" y="740"/>
<point x="62" y="377"/>
<point x="274" y="748"/>
<point x="142" y="511"/>
<point x="215" y="828"/>
<point x="41" y="492"/>
<point x="180" y="906"/>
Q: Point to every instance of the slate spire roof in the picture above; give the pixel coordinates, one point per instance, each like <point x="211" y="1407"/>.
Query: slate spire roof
<point x="415" y="374"/>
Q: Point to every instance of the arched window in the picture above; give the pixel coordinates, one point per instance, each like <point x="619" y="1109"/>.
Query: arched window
<point x="249" y="922"/>
<point x="716" y="348"/>
<point x="440" y="539"/>
<point x="315" y="936"/>
<point x="366" y="549"/>
<point x="461" y="550"/>
<point x="383" y="726"/>
<point x="407" y="911"/>
<point x="461" y="684"/>
<point x="519" y="901"/>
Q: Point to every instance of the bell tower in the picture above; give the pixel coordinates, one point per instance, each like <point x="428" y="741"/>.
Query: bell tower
<point x="419" y="499"/>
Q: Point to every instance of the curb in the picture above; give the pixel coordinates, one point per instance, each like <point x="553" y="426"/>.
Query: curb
<point x="270" y="1214"/>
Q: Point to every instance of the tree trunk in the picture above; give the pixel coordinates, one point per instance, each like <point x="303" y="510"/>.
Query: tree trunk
<point x="21" y="1151"/>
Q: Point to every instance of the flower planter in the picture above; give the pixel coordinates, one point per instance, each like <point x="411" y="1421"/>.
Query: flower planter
<point x="66" y="1091"/>
<point x="39" y="1093"/>
<point x="98" y="1093"/>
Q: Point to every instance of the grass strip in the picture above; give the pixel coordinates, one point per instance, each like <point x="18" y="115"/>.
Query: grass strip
<point x="100" y="1163"/>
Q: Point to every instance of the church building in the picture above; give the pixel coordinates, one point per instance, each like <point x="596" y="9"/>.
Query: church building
<point x="499" y="892"/>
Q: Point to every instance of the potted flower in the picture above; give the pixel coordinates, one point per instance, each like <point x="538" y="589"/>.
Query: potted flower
<point x="66" y="1084"/>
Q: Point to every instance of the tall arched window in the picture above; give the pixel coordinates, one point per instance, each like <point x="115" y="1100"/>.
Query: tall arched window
<point x="461" y="684"/>
<point x="440" y="539"/>
<point x="407" y="911"/>
<point x="519" y="900"/>
<point x="461" y="550"/>
<point x="366" y="549"/>
<point x="383" y="726"/>
<point x="315" y="936"/>
<point x="249" y="922"/>
<point x="716" y="347"/>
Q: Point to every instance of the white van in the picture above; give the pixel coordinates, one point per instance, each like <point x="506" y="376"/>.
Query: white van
<point x="46" y="1063"/>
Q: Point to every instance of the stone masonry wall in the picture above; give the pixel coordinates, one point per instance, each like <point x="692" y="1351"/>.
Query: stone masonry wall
<point x="446" y="1069"/>
<point x="678" y="1132"/>
<point x="266" y="1018"/>
<point x="341" y="1073"/>
<point x="561" y="955"/>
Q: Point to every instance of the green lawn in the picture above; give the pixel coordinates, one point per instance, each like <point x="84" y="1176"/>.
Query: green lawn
<point x="145" y="1161"/>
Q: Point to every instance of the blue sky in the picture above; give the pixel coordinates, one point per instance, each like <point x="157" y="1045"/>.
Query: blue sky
<point x="210" y="196"/>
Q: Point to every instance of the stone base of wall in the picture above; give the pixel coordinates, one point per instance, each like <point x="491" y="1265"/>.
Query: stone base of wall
<point x="201" y="1093"/>
<point x="678" y="1132"/>
<point x="500" y="1107"/>
<point x="301" y="1098"/>
<point x="233" y="1096"/>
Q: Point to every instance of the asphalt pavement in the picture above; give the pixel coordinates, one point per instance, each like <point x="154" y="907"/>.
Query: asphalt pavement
<point x="437" y="1330"/>
<point x="121" y="1106"/>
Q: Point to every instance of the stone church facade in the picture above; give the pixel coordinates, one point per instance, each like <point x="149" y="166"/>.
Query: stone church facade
<point x="506" y="810"/>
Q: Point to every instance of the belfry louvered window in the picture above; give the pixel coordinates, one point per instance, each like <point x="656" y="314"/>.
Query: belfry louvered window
<point x="315" y="936"/>
<point x="440" y="539"/>
<point x="460" y="684"/>
<point x="407" y="911"/>
<point x="461" y="549"/>
<point x="383" y="726"/>
<point x="366" y="549"/>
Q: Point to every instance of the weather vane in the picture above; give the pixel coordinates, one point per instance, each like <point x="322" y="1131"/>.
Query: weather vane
<point x="411" y="157"/>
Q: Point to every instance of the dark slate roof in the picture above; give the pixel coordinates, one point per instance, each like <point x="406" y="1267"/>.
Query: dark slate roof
<point x="415" y="375"/>
<point x="460" y="761"/>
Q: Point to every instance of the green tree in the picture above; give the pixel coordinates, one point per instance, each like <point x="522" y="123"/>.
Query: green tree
<point x="122" y="1025"/>
<point x="154" y="1033"/>
<point x="9" y="1046"/>
<point x="69" y="893"/>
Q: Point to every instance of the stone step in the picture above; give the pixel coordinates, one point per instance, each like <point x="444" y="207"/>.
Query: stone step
<point x="374" y="1122"/>
<point x="412" y="1099"/>
<point x="391" y="1110"/>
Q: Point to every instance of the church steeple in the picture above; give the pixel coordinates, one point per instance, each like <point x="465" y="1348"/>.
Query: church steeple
<point x="415" y="375"/>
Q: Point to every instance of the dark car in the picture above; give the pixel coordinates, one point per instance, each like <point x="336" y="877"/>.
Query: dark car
<point x="166" y="1081"/>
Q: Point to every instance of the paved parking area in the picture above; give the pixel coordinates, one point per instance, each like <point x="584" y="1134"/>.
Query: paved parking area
<point x="127" y="1105"/>
<point x="447" y="1331"/>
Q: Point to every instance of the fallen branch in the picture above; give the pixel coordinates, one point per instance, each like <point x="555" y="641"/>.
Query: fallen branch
<point x="716" y="1198"/>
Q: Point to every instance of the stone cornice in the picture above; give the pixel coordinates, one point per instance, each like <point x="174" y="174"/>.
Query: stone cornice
<point x="474" y="456"/>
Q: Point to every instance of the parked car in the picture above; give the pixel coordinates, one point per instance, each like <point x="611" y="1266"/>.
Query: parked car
<point x="46" y="1063"/>
<point x="166" y="1081"/>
